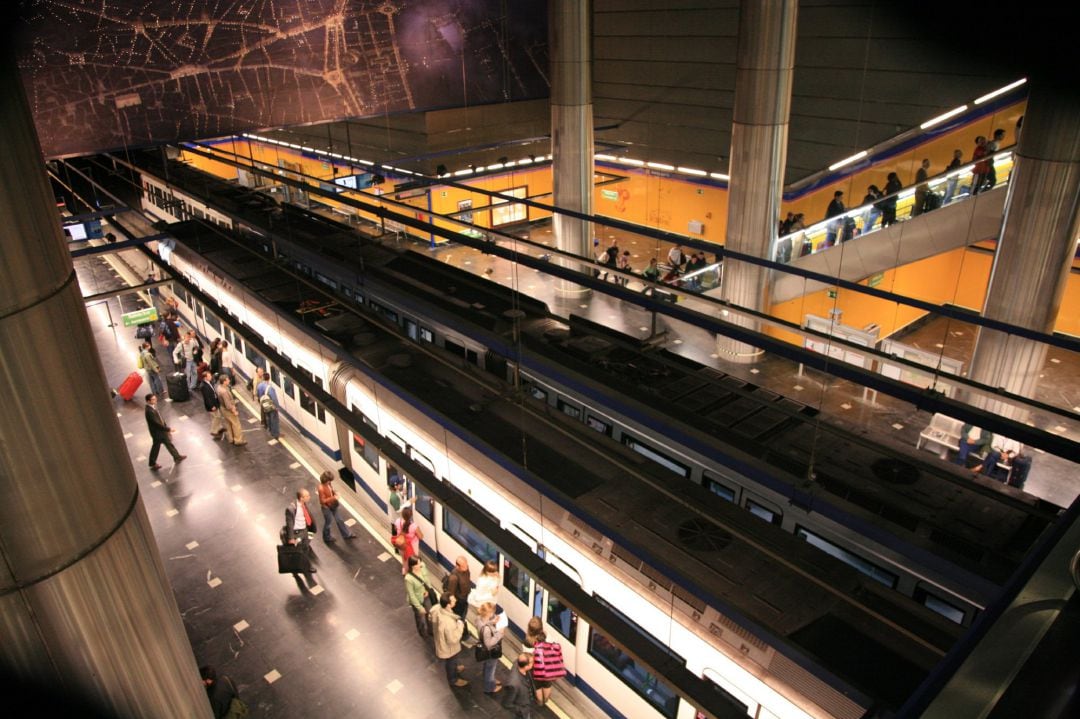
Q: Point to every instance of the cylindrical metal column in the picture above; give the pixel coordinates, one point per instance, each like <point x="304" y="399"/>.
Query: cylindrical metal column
<point x="765" y="65"/>
<point x="1038" y="239"/>
<point x="85" y="606"/>
<point x="570" y="45"/>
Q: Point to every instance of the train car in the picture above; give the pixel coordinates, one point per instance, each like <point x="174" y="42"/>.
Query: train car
<point x="910" y="523"/>
<point x="733" y="599"/>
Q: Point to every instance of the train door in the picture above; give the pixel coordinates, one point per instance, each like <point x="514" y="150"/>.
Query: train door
<point x="523" y="598"/>
<point x="412" y="330"/>
<point x="560" y="621"/>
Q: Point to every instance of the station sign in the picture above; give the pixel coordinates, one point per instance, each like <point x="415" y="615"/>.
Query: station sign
<point x="139" y="317"/>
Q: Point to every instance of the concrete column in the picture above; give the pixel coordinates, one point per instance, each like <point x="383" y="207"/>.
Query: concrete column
<point x="765" y="65"/>
<point x="1038" y="239"/>
<point x="85" y="606"/>
<point x="570" y="45"/>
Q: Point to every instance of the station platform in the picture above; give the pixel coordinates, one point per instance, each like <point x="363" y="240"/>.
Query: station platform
<point x="347" y="648"/>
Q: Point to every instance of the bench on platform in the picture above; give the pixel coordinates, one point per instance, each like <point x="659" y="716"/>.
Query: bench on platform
<point x="941" y="435"/>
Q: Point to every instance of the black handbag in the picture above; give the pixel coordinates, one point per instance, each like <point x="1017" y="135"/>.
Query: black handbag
<point x="483" y="653"/>
<point x="291" y="559"/>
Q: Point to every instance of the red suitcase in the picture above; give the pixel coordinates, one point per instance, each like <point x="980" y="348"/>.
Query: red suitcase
<point x="131" y="384"/>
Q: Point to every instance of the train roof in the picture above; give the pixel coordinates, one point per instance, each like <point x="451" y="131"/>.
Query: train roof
<point x="976" y="524"/>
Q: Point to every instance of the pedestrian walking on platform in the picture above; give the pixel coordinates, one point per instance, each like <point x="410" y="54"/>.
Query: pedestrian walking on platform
<point x="299" y="526"/>
<point x="160" y="432"/>
<point x="267" y="398"/>
<point x="331" y="509"/>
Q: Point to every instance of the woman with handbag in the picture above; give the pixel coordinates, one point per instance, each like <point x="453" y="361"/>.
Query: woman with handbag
<point x="407" y="538"/>
<point x="489" y="648"/>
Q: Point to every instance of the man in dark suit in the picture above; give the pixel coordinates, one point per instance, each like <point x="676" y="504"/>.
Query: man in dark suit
<point x="160" y="432"/>
<point x="299" y="526"/>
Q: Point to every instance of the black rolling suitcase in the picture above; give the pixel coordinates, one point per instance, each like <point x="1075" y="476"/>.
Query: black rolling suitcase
<point x="178" y="389"/>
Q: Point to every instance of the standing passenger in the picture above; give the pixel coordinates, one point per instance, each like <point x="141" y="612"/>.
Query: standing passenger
<point x="229" y="412"/>
<point x="460" y="585"/>
<point x="921" y="188"/>
<point x="518" y="695"/>
<point x="416" y="590"/>
<point x="153" y="369"/>
<point x="490" y="638"/>
<point x="487" y="586"/>
<point x="447" y="628"/>
<point x="396" y="501"/>
<point x="267" y="398"/>
<point x="188" y="346"/>
<point x="299" y="526"/>
<point x="407" y="538"/>
<point x="212" y="404"/>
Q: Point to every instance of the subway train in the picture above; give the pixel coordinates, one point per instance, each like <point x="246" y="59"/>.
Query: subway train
<point x="757" y="611"/>
<point x="910" y="522"/>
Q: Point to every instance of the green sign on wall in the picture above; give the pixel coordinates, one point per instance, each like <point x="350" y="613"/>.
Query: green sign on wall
<point x="875" y="280"/>
<point x="609" y="194"/>
<point x="831" y="294"/>
<point x="131" y="319"/>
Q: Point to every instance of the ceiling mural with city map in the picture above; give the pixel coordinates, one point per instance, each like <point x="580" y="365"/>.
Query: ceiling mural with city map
<point x="113" y="73"/>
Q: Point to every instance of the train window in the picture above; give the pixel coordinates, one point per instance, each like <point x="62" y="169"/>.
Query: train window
<point x="538" y="393"/>
<point x="865" y="566"/>
<point x="254" y="357"/>
<point x="397" y="440"/>
<point x="454" y="348"/>
<point x="410" y="329"/>
<point x="275" y="375"/>
<point x="426" y="335"/>
<point x="659" y="457"/>
<point x="214" y="322"/>
<point x="307" y="403"/>
<point x="762" y="512"/>
<point x="568" y="409"/>
<point x="424" y="505"/>
<point x="718" y="489"/>
<point x="326" y="280"/>
<point x="516" y="580"/>
<point x="563" y="618"/>
<point x="472" y="357"/>
<point x="385" y="311"/>
<point x="936" y="604"/>
<point x="473" y="541"/>
<point x="347" y="291"/>
<point x="637" y="678"/>
<point x="366" y="451"/>
<point x="287" y="386"/>
<point x="730" y="692"/>
<point x="598" y="424"/>
<point x="422" y="460"/>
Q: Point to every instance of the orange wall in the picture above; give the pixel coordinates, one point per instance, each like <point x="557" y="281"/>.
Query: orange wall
<point x="957" y="278"/>
<point x="664" y="203"/>
<point x="939" y="151"/>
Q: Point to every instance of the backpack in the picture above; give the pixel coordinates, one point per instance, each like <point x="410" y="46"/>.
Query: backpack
<point x="446" y="583"/>
<point x="548" y="662"/>
<point x="139" y="363"/>
<point x="265" y="401"/>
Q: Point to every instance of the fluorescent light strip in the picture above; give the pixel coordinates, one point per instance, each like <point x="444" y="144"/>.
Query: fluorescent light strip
<point x="631" y="161"/>
<point x="496" y="166"/>
<point x="847" y="161"/>
<point x="459" y="173"/>
<point x="1001" y="91"/>
<point x="605" y="158"/>
<point x="943" y="117"/>
<point x="659" y="166"/>
<point x="692" y="171"/>
<point x="525" y="161"/>
<point x="719" y="176"/>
